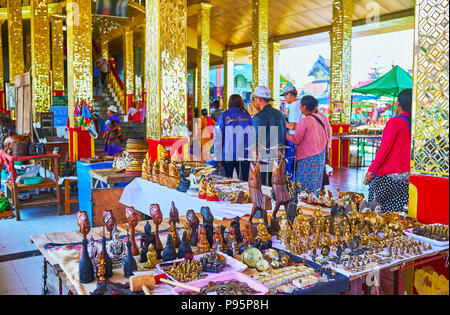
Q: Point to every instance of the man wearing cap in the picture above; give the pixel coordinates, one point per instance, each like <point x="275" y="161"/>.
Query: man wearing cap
<point x="112" y="132"/>
<point x="270" y="129"/>
<point x="294" y="116"/>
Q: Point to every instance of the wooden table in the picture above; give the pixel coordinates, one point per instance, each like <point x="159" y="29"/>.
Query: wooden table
<point x="109" y="177"/>
<point x="15" y="188"/>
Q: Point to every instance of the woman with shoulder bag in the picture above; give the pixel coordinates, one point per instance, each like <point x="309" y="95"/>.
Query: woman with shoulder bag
<point x="312" y="141"/>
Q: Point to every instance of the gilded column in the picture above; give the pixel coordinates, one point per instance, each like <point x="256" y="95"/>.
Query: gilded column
<point x="431" y="89"/>
<point x="128" y="50"/>
<point x="203" y="37"/>
<point x="228" y="84"/>
<point x="274" y="72"/>
<point x="2" y="82"/>
<point x="15" y="39"/>
<point x="79" y="53"/>
<point x="341" y="59"/>
<point x="260" y="43"/>
<point x="105" y="49"/>
<point x="57" y="56"/>
<point x="166" y="68"/>
<point x="40" y="56"/>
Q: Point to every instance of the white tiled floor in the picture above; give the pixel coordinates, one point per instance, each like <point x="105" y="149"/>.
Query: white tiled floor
<point x="24" y="276"/>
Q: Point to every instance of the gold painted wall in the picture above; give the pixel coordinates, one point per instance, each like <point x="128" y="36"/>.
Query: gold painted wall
<point x="274" y="72"/>
<point x="79" y="53"/>
<point x="40" y="56"/>
<point x="341" y="61"/>
<point x="57" y="54"/>
<point x="203" y="39"/>
<point x="431" y="88"/>
<point x="260" y="42"/>
<point x="15" y="39"/>
<point x="166" y="68"/>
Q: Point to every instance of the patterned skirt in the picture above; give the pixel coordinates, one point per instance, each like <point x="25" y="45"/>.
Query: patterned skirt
<point x="391" y="191"/>
<point x="309" y="172"/>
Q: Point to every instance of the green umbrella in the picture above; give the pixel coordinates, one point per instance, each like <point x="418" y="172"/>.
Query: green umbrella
<point x="390" y="84"/>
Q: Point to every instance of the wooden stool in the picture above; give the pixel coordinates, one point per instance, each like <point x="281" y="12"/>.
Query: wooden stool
<point x="67" y="200"/>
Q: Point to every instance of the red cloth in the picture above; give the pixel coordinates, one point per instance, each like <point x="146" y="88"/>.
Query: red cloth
<point x="394" y="154"/>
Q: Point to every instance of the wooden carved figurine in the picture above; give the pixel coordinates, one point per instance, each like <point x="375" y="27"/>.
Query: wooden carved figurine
<point x="101" y="268"/>
<point x="85" y="270"/>
<point x="174" y="175"/>
<point x="156" y="214"/>
<point x="185" y="248"/>
<point x="163" y="169"/>
<point x="184" y="184"/>
<point x="211" y="194"/>
<point x="147" y="239"/>
<point x="132" y="223"/>
<point x="169" y="252"/>
<point x="109" y="220"/>
<point x="203" y="187"/>
<point x="146" y="172"/>
<point x="174" y="215"/>
<point x="256" y="195"/>
<point x="175" y="237"/>
<point x="188" y="232"/>
<point x="155" y="172"/>
<point x="193" y="226"/>
<point x="107" y="259"/>
<point x="279" y="184"/>
<point x="203" y="244"/>
<point x="237" y="229"/>
<point x="217" y="237"/>
<point x="130" y="265"/>
<point x="208" y="224"/>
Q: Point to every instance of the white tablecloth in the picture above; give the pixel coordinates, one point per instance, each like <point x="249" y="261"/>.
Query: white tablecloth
<point x="140" y="194"/>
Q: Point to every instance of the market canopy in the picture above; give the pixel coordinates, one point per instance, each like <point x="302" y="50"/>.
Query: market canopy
<point x="390" y="84"/>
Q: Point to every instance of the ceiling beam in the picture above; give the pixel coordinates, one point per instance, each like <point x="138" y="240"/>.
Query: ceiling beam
<point x="383" y="18"/>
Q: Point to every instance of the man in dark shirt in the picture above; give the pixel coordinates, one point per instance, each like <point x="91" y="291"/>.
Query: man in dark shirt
<point x="270" y="130"/>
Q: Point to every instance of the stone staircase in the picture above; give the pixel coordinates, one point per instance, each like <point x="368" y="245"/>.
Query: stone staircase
<point x="130" y="129"/>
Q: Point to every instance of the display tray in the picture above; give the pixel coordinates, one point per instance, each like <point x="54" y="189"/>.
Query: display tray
<point x="433" y="242"/>
<point x="233" y="265"/>
<point x="226" y="276"/>
<point x="277" y="244"/>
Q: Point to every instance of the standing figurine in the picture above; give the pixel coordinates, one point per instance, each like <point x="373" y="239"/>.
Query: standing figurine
<point x="188" y="232"/>
<point x="163" y="168"/>
<point x="155" y="172"/>
<point x="132" y="223"/>
<point x="93" y="252"/>
<point x="248" y="235"/>
<point x="231" y="235"/>
<point x="184" y="182"/>
<point x="279" y="186"/>
<point x="203" y="244"/>
<point x="109" y="220"/>
<point x="208" y="224"/>
<point x="203" y="186"/>
<point x="193" y="226"/>
<point x="108" y="261"/>
<point x="185" y="248"/>
<point x="218" y="239"/>
<point x="130" y="265"/>
<point x="237" y="229"/>
<point x="85" y="270"/>
<point x="174" y="219"/>
<point x="175" y="237"/>
<point x="174" y="175"/>
<point x="101" y="268"/>
<point x="147" y="239"/>
<point x="255" y="189"/>
<point x="156" y="214"/>
<point x="169" y="252"/>
<point x="285" y="230"/>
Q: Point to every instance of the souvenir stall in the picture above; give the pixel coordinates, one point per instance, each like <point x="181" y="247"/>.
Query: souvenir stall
<point x="207" y="234"/>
